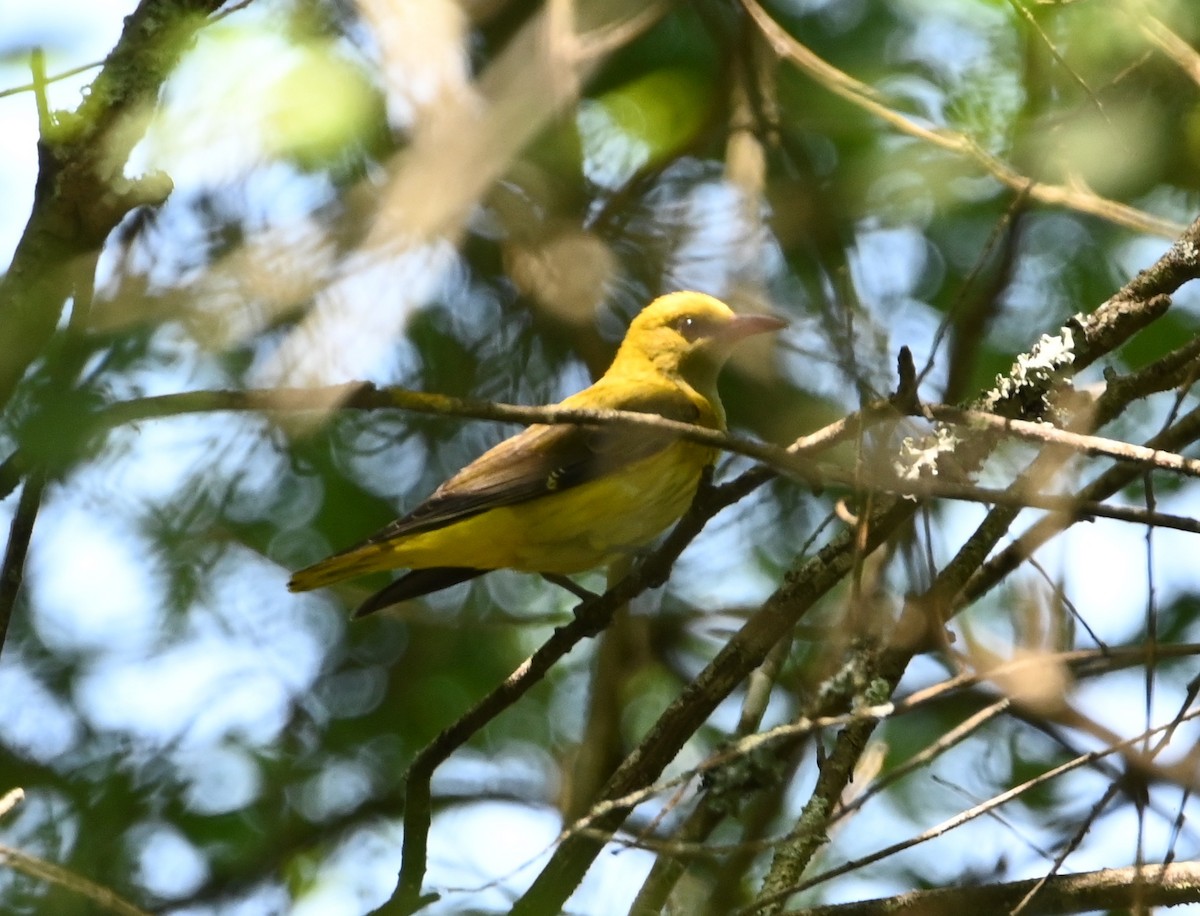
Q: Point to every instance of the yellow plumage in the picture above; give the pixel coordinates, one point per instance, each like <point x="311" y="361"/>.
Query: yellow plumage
<point x="562" y="499"/>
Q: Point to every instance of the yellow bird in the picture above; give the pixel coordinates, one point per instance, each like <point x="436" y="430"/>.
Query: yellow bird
<point x="561" y="499"/>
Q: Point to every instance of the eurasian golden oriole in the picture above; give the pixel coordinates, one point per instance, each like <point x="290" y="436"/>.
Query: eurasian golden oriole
<point x="560" y="499"/>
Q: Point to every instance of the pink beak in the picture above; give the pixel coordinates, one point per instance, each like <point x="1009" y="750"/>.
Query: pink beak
<point x="748" y="325"/>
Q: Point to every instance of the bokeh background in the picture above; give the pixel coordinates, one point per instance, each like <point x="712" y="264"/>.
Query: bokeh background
<point x="474" y="198"/>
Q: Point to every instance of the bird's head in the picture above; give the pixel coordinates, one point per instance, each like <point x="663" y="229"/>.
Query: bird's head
<point x="690" y="335"/>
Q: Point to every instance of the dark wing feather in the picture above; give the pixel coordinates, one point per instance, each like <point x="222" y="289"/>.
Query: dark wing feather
<point x="539" y="461"/>
<point x="415" y="584"/>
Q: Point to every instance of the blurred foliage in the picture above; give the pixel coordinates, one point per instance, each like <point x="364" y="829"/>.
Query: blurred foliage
<point x="196" y="739"/>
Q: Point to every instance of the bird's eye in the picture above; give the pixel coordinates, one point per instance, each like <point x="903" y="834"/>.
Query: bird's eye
<point x="690" y="327"/>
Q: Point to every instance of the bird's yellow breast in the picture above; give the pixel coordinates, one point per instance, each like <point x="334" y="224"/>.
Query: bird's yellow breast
<point x="568" y="532"/>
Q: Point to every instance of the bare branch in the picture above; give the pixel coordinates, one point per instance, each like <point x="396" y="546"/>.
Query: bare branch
<point x="1109" y="889"/>
<point x="790" y="461"/>
<point x="81" y="193"/>
<point x="12" y="571"/>
<point x="945" y="742"/>
<point x="866" y="98"/>
<point x="1128" y="744"/>
<point x="991" y="573"/>
<point x="10" y="800"/>
<point x="1077" y="442"/>
<point x="1167" y="41"/>
<point x="590" y="618"/>
<point x="101" y="896"/>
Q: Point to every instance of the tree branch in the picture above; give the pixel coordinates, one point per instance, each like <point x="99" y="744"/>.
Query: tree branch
<point x="590" y="618"/>
<point x="789" y="462"/>
<point x="1076" y="442"/>
<point x="802" y="587"/>
<point x="1109" y="889"/>
<point x="98" y="894"/>
<point x="958" y="820"/>
<point x="1021" y="394"/>
<point x="81" y="193"/>
<point x="12" y="570"/>
<point x="866" y="98"/>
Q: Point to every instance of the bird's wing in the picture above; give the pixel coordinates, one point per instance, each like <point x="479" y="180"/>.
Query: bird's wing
<point x="540" y="461"/>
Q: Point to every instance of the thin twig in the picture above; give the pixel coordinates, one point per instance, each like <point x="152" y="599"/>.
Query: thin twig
<point x="1167" y="41"/>
<point x="590" y="618"/>
<point x="945" y="742"/>
<point x="1026" y="903"/>
<point x="866" y="98"/>
<point x="33" y="85"/>
<point x="98" y="894"/>
<point x="959" y="819"/>
<point x="791" y="461"/>
<point x="996" y="569"/>
<point x="1085" y="445"/>
<point x="12" y="571"/>
<point x="1082" y="662"/>
<point x="1109" y="889"/>
<point x="1079" y="81"/>
<point x="10" y="800"/>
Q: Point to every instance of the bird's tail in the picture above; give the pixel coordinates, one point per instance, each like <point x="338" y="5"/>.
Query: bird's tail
<point x="358" y="561"/>
<point x="415" y="584"/>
